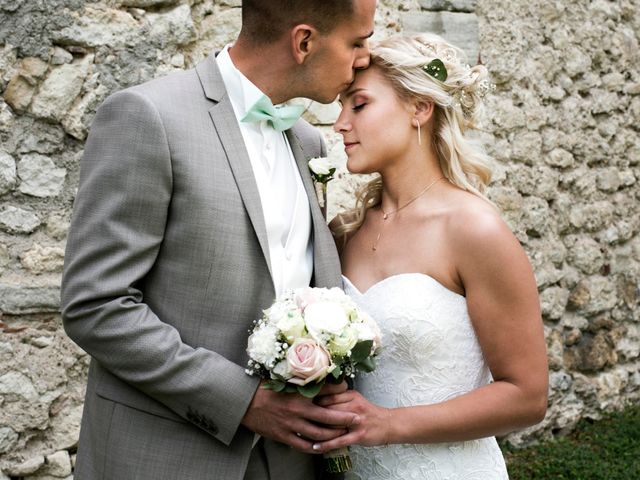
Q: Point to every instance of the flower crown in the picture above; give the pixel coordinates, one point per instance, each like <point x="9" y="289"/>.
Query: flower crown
<point x="436" y="69"/>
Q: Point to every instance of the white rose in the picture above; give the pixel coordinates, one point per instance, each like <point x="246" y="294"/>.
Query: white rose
<point x="282" y="369"/>
<point x="320" y="165"/>
<point x="263" y="345"/>
<point x="343" y="343"/>
<point x="325" y="317"/>
<point x="291" y="325"/>
<point x="368" y="330"/>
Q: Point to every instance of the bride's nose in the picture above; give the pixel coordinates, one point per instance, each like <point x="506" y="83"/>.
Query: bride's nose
<point x="342" y="124"/>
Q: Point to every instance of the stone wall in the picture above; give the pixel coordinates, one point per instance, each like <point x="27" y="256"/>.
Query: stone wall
<point x="562" y="126"/>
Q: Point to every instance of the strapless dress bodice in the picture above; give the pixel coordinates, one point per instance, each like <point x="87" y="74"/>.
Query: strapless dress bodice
<point x="429" y="354"/>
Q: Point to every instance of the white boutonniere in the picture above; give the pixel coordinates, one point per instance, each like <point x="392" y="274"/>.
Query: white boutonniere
<point x="322" y="170"/>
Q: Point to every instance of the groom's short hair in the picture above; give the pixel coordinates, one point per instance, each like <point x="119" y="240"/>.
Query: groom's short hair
<point x="264" y="21"/>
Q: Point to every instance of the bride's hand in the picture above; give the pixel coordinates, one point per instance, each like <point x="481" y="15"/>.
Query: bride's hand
<point x="372" y="429"/>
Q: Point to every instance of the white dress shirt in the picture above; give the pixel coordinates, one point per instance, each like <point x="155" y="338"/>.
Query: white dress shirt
<point x="285" y="205"/>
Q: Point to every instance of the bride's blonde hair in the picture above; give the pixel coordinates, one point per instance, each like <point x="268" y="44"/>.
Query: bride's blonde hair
<point x="403" y="61"/>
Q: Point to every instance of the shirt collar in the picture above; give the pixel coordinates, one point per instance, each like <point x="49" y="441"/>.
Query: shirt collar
<point x="242" y="92"/>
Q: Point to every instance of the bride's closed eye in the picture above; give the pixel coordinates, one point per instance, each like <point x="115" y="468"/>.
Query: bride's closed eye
<point x="358" y="107"/>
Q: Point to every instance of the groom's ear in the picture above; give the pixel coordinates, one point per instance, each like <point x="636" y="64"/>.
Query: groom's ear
<point x="303" y="40"/>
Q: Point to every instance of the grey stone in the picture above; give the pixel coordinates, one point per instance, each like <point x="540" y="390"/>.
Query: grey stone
<point x="61" y="56"/>
<point x="594" y="294"/>
<point x="40" y="177"/>
<point x="7" y="61"/>
<point x="41" y="342"/>
<point x="41" y="259"/>
<point x="177" y="60"/>
<point x="560" y="381"/>
<point x="58" y="92"/>
<point x="23" y="299"/>
<point x="175" y="27"/>
<point x="215" y="31"/>
<point x="553" y="302"/>
<point x="17" y="220"/>
<point x="5" y="347"/>
<point x="50" y="477"/>
<point x="57" y="226"/>
<point x="7" y="173"/>
<point x="629" y="346"/>
<point x="592" y="217"/>
<point x="8" y="438"/>
<point x="559" y="157"/>
<point x="15" y="384"/>
<point x="147" y="3"/>
<point x="527" y="147"/>
<point x="449" y="5"/>
<point x="59" y="464"/>
<point x="28" y="467"/>
<point x="77" y="120"/>
<point x="584" y="253"/>
<point x="41" y="137"/>
<point x="540" y="181"/>
<point x="99" y="25"/>
<point x="460" y="29"/>
<point x="505" y="115"/>
<point x="609" y="179"/>
<point x="536" y="216"/>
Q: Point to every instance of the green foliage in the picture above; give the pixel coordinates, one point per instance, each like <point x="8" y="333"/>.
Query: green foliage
<point x="361" y="351"/>
<point x="608" y="449"/>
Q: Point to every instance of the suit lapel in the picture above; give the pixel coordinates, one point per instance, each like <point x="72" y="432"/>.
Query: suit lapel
<point x="226" y="126"/>
<point x="303" y="166"/>
<point x="326" y="265"/>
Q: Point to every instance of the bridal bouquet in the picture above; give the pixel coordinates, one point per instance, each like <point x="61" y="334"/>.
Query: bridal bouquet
<point x="310" y="336"/>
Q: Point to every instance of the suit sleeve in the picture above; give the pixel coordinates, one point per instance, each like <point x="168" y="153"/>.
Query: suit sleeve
<point x="118" y="225"/>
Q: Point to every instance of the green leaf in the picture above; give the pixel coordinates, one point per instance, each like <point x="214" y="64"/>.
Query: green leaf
<point x="336" y="372"/>
<point x="367" y="365"/>
<point x="310" y="390"/>
<point x="436" y="69"/>
<point x="361" y="351"/>
<point x="275" y="385"/>
<point x="290" y="388"/>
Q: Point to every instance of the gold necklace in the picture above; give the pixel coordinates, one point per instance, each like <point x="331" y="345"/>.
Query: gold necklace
<point x="385" y="215"/>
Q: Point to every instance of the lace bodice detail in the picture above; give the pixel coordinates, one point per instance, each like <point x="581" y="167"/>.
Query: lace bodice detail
<point x="430" y="354"/>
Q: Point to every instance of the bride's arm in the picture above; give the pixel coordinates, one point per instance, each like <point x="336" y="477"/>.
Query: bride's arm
<point x="503" y="304"/>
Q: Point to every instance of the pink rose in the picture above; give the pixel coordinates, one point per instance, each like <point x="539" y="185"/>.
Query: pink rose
<point x="307" y="361"/>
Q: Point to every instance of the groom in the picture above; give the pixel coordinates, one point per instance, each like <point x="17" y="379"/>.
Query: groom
<point x="195" y="209"/>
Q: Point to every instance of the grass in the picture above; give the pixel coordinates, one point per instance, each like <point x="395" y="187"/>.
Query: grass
<point x="607" y="449"/>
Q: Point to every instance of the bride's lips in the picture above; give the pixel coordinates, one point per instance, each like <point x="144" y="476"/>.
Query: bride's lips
<point x="349" y="145"/>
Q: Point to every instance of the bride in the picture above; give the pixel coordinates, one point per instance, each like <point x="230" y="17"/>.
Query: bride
<point x="428" y="256"/>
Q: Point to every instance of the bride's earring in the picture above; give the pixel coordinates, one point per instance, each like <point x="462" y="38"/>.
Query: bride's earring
<point x="419" y="135"/>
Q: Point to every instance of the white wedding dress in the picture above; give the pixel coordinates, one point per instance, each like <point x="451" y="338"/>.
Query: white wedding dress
<point x="430" y="353"/>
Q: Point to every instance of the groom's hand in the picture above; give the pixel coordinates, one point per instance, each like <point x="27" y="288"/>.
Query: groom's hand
<point x="295" y="420"/>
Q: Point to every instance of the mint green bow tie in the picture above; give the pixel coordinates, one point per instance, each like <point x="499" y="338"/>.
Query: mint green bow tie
<point x="281" y="118"/>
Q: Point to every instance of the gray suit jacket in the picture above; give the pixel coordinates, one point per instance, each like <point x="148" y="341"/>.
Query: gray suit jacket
<point x="166" y="268"/>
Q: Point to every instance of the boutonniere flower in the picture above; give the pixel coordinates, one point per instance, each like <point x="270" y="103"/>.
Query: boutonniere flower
<point x="322" y="170"/>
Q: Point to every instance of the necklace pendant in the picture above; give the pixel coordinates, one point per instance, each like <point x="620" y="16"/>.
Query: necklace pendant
<point x="374" y="247"/>
<point x="385" y="216"/>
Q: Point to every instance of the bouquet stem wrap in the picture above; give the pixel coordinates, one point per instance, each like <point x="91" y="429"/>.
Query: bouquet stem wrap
<point x="337" y="461"/>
